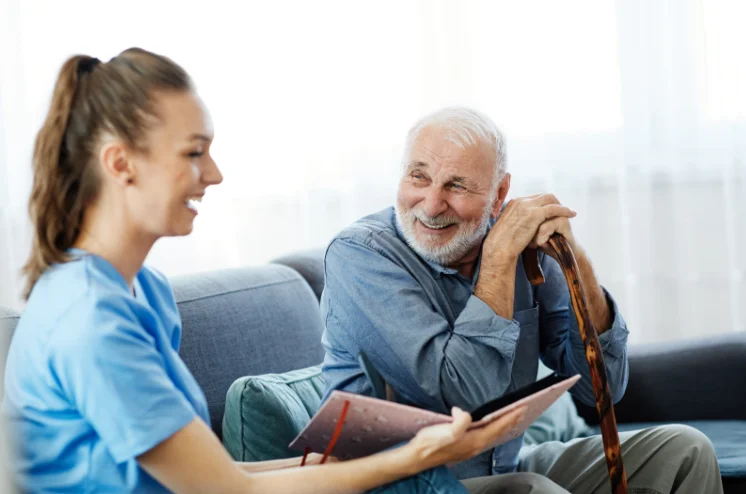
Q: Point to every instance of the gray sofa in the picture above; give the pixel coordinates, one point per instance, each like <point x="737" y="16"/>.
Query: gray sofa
<point x="265" y="319"/>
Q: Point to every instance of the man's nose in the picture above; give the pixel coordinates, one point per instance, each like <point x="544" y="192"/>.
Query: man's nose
<point x="434" y="203"/>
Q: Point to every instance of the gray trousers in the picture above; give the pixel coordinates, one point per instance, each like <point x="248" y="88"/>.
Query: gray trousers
<point x="661" y="460"/>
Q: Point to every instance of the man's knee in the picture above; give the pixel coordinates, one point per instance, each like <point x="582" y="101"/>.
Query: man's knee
<point x="516" y="483"/>
<point x="537" y="484"/>
<point x="688" y="440"/>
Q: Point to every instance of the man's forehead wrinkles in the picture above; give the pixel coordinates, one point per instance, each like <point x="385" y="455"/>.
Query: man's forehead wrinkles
<point x="436" y="157"/>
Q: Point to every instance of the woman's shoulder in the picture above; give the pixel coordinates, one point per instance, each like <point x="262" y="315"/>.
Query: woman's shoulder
<point x="74" y="294"/>
<point x="153" y="277"/>
<point x="157" y="289"/>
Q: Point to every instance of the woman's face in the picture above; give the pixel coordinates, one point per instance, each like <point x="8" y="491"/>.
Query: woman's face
<point x="171" y="177"/>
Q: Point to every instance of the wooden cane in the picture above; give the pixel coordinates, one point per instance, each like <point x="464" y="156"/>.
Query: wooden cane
<point x="593" y="353"/>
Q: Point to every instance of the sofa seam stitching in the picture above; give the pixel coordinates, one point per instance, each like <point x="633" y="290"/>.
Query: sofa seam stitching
<point x="229" y="292"/>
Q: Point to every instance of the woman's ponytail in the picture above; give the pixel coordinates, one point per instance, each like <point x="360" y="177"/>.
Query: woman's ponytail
<point x="55" y="205"/>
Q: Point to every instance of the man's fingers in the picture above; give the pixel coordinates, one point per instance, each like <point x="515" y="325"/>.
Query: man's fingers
<point x="546" y="230"/>
<point x="557" y="210"/>
<point x="544" y="200"/>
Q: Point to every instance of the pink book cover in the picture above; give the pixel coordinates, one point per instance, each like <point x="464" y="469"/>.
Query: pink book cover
<point x="372" y="425"/>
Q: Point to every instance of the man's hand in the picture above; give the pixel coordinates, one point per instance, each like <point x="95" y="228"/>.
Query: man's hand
<point x="532" y="221"/>
<point x="525" y="221"/>
<point x="559" y="225"/>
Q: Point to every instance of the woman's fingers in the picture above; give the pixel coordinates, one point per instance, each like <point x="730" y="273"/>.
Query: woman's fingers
<point x="491" y="433"/>
<point x="461" y="422"/>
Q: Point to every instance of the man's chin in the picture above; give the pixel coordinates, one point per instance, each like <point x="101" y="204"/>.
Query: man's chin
<point x="435" y="249"/>
<point x="435" y="253"/>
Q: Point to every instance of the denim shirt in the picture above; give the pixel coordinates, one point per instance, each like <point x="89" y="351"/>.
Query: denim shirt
<point x="439" y="345"/>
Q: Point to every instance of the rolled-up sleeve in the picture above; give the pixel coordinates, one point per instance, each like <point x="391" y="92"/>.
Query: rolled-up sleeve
<point x="373" y="304"/>
<point x="562" y="346"/>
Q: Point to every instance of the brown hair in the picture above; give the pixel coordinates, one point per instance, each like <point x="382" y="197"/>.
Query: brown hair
<point x="90" y="99"/>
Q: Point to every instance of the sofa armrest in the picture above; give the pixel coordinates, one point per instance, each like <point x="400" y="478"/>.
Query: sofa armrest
<point x="701" y="379"/>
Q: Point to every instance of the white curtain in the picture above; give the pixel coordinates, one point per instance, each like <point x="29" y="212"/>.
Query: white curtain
<point x="633" y="112"/>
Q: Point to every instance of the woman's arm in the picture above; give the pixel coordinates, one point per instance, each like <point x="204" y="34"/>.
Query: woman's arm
<point x="271" y="465"/>
<point x="194" y="461"/>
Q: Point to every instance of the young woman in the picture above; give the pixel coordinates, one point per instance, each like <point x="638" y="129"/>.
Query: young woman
<point x="96" y="394"/>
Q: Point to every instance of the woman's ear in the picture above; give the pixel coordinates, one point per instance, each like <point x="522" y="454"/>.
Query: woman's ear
<point x="115" y="161"/>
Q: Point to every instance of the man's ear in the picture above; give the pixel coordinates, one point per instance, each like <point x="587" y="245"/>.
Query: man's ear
<point x="115" y="159"/>
<point x="502" y="193"/>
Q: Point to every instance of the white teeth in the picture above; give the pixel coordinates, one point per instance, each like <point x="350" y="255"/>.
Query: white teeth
<point x="194" y="203"/>
<point x="434" y="227"/>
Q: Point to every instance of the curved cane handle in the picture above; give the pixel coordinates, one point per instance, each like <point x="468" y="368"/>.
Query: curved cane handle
<point x="593" y="353"/>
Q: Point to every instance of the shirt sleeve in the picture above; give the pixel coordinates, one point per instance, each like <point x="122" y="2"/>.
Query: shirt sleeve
<point x="115" y="376"/>
<point x="562" y="346"/>
<point x="378" y="306"/>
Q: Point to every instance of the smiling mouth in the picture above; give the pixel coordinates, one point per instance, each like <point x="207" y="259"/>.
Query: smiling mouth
<point x="435" y="227"/>
<point x="193" y="203"/>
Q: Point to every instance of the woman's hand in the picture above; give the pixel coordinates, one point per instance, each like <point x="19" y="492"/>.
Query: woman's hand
<point x="451" y="443"/>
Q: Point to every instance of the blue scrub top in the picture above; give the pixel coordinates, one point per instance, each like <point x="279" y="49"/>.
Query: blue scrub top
<point x="94" y="379"/>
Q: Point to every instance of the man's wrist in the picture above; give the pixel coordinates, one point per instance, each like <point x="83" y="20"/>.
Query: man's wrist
<point x="496" y="285"/>
<point x="498" y="262"/>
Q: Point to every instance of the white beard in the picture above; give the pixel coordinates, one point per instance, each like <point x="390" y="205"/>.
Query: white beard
<point x="468" y="236"/>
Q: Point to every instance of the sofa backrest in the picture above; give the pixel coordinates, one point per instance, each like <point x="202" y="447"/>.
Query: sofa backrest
<point x="8" y="322"/>
<point x="246" y="321"/>
<point x="309" y="264"/>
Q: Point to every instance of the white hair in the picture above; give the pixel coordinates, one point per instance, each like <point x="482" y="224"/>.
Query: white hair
<point x="464" y="127"/>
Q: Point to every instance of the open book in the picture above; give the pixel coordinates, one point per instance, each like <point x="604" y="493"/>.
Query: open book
<point x="369" y="425"/>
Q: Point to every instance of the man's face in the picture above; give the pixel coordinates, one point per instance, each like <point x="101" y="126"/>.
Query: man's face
<point x="446" y="197"/>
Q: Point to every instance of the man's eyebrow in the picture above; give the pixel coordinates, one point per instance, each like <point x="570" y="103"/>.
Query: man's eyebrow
<point x="416" y="165"/>
<point x="462" y="181"/>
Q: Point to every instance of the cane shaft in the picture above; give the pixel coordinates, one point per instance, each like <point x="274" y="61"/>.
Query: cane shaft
<point x="593" y="353"/>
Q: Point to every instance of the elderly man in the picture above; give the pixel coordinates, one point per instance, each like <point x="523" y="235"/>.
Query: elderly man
<point x="435" y="293"/>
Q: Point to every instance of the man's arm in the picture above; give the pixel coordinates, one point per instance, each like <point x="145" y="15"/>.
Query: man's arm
<point x="530" y="222"/>
<point x="373" y="304"/>
<point x="600" y="312"/>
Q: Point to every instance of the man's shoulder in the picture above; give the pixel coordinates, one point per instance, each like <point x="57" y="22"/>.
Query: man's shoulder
<point x="379" y="224"/>
<point x="376" y="232"/>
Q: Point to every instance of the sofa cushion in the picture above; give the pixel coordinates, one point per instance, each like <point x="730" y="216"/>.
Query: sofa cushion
<point x="246" y="321"/>
<point x="263" y="414"/>
<point x="727" y="436"/>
